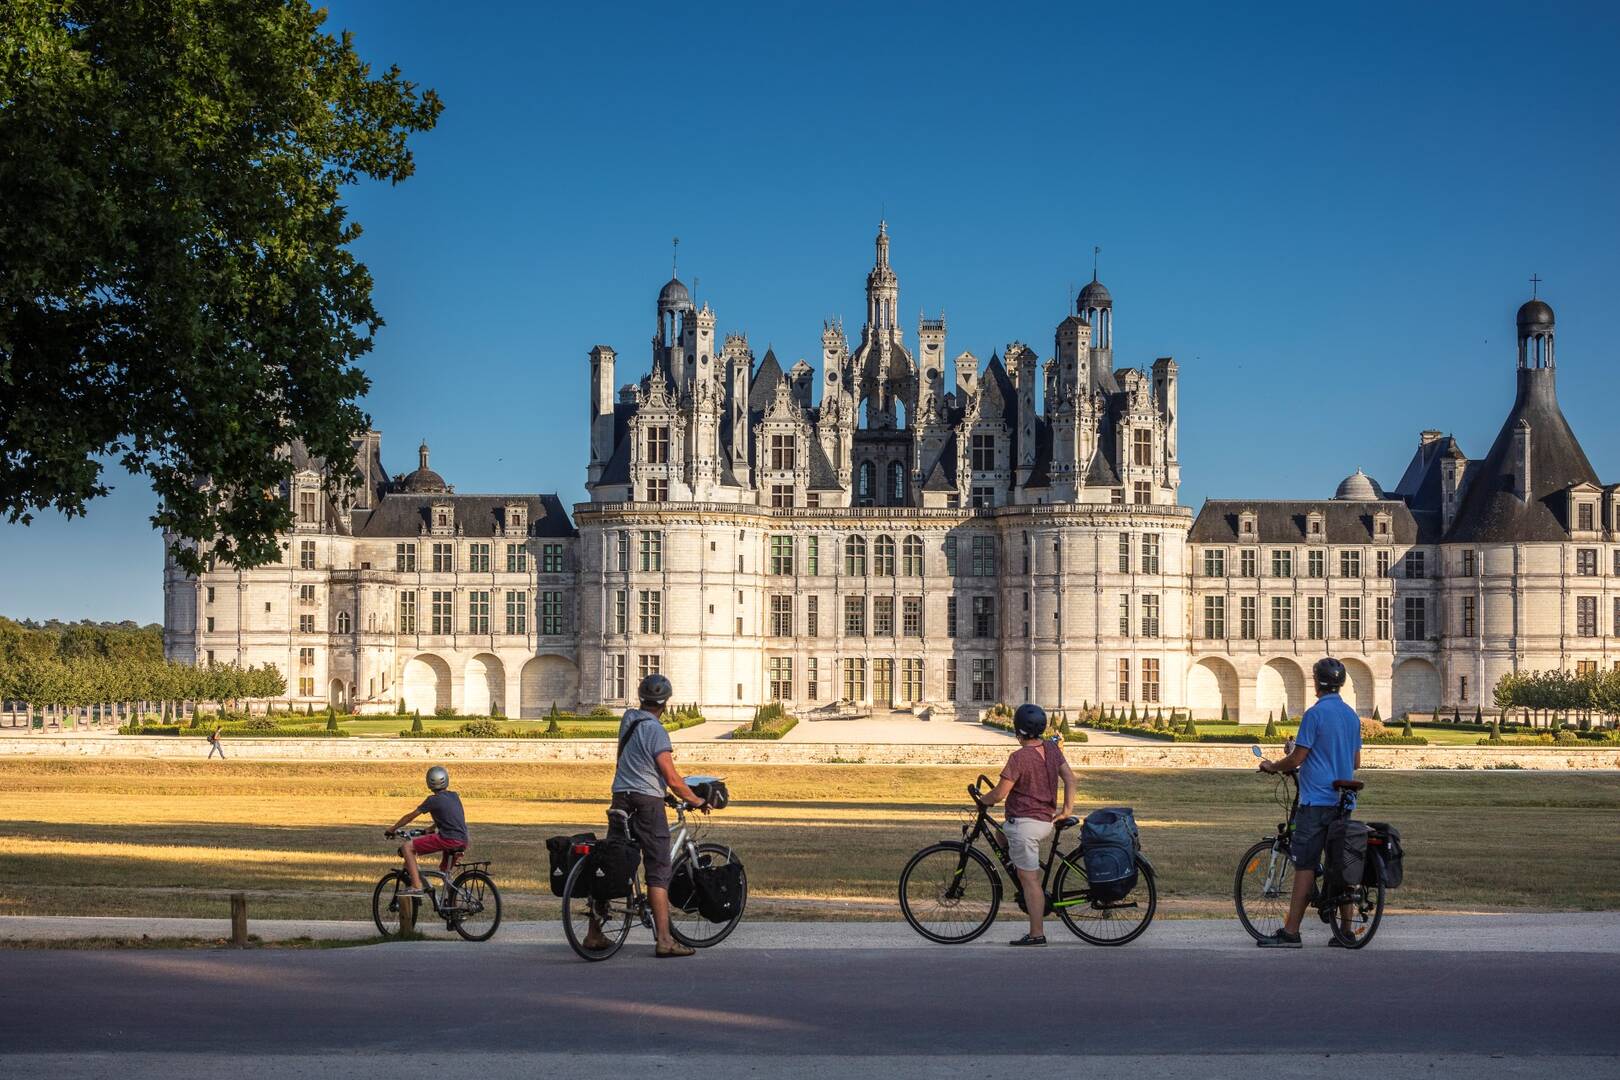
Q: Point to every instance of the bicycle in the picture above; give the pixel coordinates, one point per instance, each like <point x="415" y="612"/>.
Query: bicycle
<point x="950" y="892"/>
<point x="614" y="917"/>
<point x="1263" y="886"/>
<point x="470" y="904"/>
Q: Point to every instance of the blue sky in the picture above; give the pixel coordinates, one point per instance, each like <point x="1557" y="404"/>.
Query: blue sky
<point x="1327" y="218"/>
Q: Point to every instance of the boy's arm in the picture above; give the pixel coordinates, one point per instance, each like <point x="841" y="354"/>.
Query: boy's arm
<point x="406" y="820"/>
<point x="1068" y="789"/>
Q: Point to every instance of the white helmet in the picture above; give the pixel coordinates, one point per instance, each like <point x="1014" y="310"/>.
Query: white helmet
<point x="438" y="778"/>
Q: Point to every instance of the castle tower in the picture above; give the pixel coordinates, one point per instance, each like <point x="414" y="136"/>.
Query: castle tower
<point x="738" y="362"/>
<point x="1095" y="307"/>
<point x="882" y="290"/>
<point x="1022" y="368"/>
<point x="601" y="420"/>
<point x="1166" y="393"/>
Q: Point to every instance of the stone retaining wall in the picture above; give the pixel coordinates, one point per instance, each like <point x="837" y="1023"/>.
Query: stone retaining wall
<point x="1147" y="756"/>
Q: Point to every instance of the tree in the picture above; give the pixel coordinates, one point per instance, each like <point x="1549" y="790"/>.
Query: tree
<point x="177" y="290"/>
<point x="1225" y="717"/>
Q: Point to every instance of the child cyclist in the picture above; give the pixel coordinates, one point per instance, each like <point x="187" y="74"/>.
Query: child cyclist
<point x="1029" y="783"/>
<point x="449" y="832"/>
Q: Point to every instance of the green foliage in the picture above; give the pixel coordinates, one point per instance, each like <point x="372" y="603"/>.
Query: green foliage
<point x="179" y="292"/>
<point x="552" y="727"/>
<point x="1377" y="719"/>
<point x="481" y="729"/>
<point x="1190" y="729"/>
<point x="1225" y="717"/>
<point x="416" y="723"/>
<point x="769" y="722"/>
<point x="1496" y="730"/>
<point x="1271" y="729"/>
<point x="444" y="712"/>
<point x="331" y="720"/>
<point x="1479" y="715"/>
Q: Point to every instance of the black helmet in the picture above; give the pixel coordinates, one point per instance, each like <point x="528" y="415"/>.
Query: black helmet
<point x="438" y="778"/>
<point x="1329" y="675"/>
<point x="654" y="690"/>
<point x="1029" y="722"/>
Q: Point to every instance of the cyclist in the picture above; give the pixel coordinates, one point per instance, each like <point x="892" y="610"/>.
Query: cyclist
<point x="1327" y="747"/>
<point x="1029" y="783"/>
<point x="646" y="767"/>
<point x="449" y="832"/>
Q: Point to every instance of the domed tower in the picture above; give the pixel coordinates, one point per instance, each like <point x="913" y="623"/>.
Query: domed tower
<point x="673" y="301"/>
<point x="1096" y="309"/>
<point x="1535" y="334"/>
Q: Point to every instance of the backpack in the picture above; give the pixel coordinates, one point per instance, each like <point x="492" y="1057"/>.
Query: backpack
<point x="1384" y="859"/>
<point x="1346" y="855"/>
<point x="1108" y="846"/>
<point x="560" y="854"/>
<point x="612" y="869"/>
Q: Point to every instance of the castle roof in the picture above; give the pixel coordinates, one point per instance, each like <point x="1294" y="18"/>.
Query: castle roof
<point x="409" y="515"/>
<point x="1344" y="521"/>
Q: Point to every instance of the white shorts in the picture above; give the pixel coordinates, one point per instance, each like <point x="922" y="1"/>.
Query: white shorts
<point x="1024" y="839"/>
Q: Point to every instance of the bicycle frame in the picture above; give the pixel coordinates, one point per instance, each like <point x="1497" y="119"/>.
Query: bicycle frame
<point x="1282" y="841"/>
<point x="995" y="836"/>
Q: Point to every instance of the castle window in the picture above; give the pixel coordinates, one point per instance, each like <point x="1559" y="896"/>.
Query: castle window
<point x="652" y="551"/>
<point x="343" y="622"/>
<point x="514" y="517"/>
<point x="407" y="613"/>
<point x="1383" y="564"/>
<point x="983" y="453"/>
<point x="1124" y="552"/>
<point x="517" y="559"/>
<point x="1469" y="618"/>
<point x="478" y="558"/>
<point x="1586" y="620"/>
<point x="1143" y="493"/>
<point x="1150" y="680"/>
<point x="781" y="615"/>
<point x="812" y="555"/>
<point x="308" y="507"/>
<point x="866" y="483"/>
<point x="1469" y="562"/>
<point x="984" y="679"/>
<point x="517" y="611"/>
<point x="1350" y="563"/>
<point x="1248" y="563"/>
<point x="950" y="556"/>
<point x="306" y="555"/>
<point x="782" y="496"/>
<point x="897" y="483"/>
<point x="443" y="602"/>
<point x="405" y="558"/>
<point x="950" y="616"/>
<point x="551" y="558"/>
<point x="812" y="616"/>
<point x="1282" y="617"/>
<point x="551" y="613"/>
<point x="1314" y="617"/>
<point x="855" y="616"/>
<point x="478" y="611"/>
<point x="1415" y="626"/>
<point x="1383" y="618"/>
<point x="1586" y="562"/>
<point x="984" y="556"/>
<point x="1314" y="564"/>
<point x="883" y="616"/>
<point x="658" y="490"/>
<point x="441" y="519"/>
<point x="1142" y="447"/>
<point x="883" y="556"/>
<point x="784" y="452"/>
<point x="855" y="679"/>
<point x="1584" y="517"/>
<point x="1123" y="678"/>
<point x="911" y="616"/>
<point x="1282" y="563"/>
<point x="1214" y="563"/>
<point x="648" y="664"/>
<point x="444" y="560"/>
<point x="1248" y="629"/>
<point x="911" y="684"/>
<point x="1124" y="614"/>
<point x="621" y="611"/>
<point x="911" y="563"/>
<point x="658" y="446"/>
<point x="1416" y="565"/>
<point x="984" y="616"/>
<point x="781" y="554"/>
<point x="1150" y="615"/>
<point x="1350" y="618"/>
<point x="811" y="675"/>
<point x="614" y="684"/>
<point x="1150" y="553"/>
<point x="855" y="556"/>
<point x="1215" y="617"/>
<point x="781" y="678"/>
<point x="651" y="610"/>
<point x="984" y="498"/>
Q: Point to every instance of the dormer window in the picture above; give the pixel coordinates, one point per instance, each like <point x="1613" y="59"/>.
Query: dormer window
<point x="1381" y="526"/>
<point x="516" y="520"/>
<point x="1585" y="517"/>
<point x="784" y="453"/>
<point x="658" y="446"/>
<point x="1248" y="522"/>
<point x="443" y="518"/>
<point x="1313" y="525"/>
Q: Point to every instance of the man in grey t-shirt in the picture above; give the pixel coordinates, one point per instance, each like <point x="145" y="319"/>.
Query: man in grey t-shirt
<point x="646" y="767"/>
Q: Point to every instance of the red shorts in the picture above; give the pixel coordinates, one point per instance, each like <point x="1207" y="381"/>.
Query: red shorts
<point x="432" y="842"/>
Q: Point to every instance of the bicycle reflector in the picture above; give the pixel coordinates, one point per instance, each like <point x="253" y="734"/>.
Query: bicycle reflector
<point x="582" y="849"/>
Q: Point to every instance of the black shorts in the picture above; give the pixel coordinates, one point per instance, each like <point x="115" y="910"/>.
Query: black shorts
<point x="1310" y="835"/>
<point x="651" y="826"/>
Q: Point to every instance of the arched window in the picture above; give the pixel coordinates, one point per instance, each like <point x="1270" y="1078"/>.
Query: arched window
<point x="855" y="556"/>
<point x="912" y="557"/>
<point x="897" y="483"/>
<point x="866" y="482"/>
<point x="883" y="556"/>
<point x="343" y="622"/>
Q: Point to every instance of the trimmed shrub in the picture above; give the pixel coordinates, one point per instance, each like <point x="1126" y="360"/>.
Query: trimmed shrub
<point x="481" y="729"/>
<point x="1373" y="729"/>
<point x="1406" y="728"/>
<point x="1226" y="717"/>
<point x="416" y="723"/>
<point x="444" y="712"/>
<point x="552" y="727"/>
<point x="331" y="721"/>
<point x="1271" y="729"/>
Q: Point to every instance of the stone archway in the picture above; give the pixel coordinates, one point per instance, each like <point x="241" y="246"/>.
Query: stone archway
<point x="1279" y="687"/>
<point x="1360" y="691"/>
<point x="337" y="696"/>
<point x="1212" y="685"/>
<point x="426" y="682"/>
<point x="546" y="681"/>
<point x="483" y="687"/>
<point x="1415" y="687"/>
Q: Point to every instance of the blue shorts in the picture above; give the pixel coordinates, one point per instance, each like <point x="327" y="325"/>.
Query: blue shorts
<point x="1310" y="835"/>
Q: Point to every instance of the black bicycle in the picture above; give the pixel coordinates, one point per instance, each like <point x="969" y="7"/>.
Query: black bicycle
<point x="950" y="891"/>
<point x="469" y="903"/>
<point x="1264" y="883"/>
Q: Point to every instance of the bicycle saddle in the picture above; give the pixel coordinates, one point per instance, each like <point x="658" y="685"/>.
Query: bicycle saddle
<point x="1066" y="823"/>
<point x="1348" y="785"/>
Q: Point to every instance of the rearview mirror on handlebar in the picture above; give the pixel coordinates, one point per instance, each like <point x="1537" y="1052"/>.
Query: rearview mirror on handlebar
<point x="1257" y="752"/>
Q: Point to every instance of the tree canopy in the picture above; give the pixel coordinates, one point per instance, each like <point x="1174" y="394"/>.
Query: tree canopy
<point x="177" y="291"/>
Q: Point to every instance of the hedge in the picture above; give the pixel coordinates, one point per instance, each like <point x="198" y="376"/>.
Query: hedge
<point x="1575" y="743"/>
<point x="232" y="732"/>
<point x="990" y="720"/>
<point x="771" y="728"/>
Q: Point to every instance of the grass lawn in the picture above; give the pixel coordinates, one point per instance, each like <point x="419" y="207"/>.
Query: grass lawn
<point x="305" y="840"/>
<point x="389" y="726"/>
<point x="1436" y="735"/>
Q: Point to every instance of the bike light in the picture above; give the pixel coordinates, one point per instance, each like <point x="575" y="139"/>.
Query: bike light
<point x="1254" y="864"/>
<point x="582" y="849"/>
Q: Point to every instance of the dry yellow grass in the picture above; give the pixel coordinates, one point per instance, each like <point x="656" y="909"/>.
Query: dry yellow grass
<point x="174" y="838"/>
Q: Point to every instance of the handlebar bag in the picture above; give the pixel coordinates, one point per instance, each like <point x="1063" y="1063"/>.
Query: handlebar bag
<point x="1109" y="842"/>
<point x="1386" y="858"/>
<point x="560" y="854"/>
<point x="1346" y="854"/>
<point x="613" y="868"/>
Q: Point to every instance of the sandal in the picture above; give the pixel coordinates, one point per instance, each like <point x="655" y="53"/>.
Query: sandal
<point x="675" y="949"/>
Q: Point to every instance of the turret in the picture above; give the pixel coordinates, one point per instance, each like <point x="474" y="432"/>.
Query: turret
<point x="601" y="419"/>
<point x="1166" y="396"/>
<point x="1022" y="368"/>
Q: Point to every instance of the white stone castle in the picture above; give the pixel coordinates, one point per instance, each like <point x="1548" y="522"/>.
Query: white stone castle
<point x="932" y="535"/>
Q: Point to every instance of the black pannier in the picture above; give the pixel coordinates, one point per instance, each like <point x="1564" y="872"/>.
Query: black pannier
<point x="1346" y="854"/>
<point x="1109" y="843"/>
<point x="719" y="891"/>
<point x="612" y="868"/>
<point x="560" y="854"/>
<point x="1385" y="857"/>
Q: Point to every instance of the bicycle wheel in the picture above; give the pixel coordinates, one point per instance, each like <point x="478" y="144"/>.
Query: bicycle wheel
<point x="478" y="906"/>
<point x="387" y="906"/>
<point x="1262" y="888"/>
<point x="1103" y="922"/>
<point x="690" y="927"/>
<point x="950" y="893"/>
<point x="609" y="918"/>
<point x="1366" y="912"/>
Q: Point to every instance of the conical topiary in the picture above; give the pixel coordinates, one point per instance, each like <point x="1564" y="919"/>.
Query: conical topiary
<point x="1406" y="728"/>
<point x="416" y="723"/>
<point x="1133" y="714"/>
<point x="1271" y="728"/>
<point x="1377" y="719"/>
<point x="1456" y="715"/>
<point x="1479" y="715"/>
<point x="1226" y="717"/>
<point x="1191" y="730"/>
<point x="552" y="727"/>
<point x="331" y="719"/>
<point x="1496" y="729"/>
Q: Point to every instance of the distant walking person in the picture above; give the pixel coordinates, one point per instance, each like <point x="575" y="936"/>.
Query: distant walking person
<point x="1029" y="783"/>
<point x="1326" y="748"/>
<point x="214" y="745"/>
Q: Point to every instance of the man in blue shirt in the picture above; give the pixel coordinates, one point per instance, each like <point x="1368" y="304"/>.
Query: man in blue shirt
<point x="1326" y="748"/>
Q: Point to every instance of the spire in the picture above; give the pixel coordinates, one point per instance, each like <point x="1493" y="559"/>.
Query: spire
<point x="422" y="454"/>
<point x="883" y="243"/>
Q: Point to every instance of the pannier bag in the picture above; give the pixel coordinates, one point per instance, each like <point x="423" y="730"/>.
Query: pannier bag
<point x="1108" y="846"/>
<point x="1385" y="857"/>
<point x="1346" y="854"/>
<point x="560" y="854"/>
<point x="613" y="868"/>
<point x="719" y="891"/>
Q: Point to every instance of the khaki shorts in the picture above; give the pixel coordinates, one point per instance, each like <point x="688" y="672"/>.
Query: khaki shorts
<point x="1024" y="839"/>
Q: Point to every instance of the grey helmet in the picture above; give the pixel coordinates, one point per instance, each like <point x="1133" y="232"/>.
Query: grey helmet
<point x="438" y="778"/>
<point x="655" y="690"/>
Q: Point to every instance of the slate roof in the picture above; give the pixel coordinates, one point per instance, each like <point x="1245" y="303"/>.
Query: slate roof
<point x="1284" y="521"/>
<point x="822" y="475"/>
<point x="406" y="515"/>
<point x="1489" y="512"/>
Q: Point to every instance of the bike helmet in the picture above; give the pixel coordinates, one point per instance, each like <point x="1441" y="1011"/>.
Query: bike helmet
<point x="1329" y="675"/>
<point x="711" y="789"/>
<point x="438" y="778"/>
<point x="1029" y="722"/>
<point x="654" y="690"/>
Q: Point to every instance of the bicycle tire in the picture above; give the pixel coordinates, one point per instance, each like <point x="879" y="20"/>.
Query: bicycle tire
<point x="577" y="909"/>
<point x="491" y="902"/>
<point x="938" y="882"/>
<point x="1083" y="920"/>
<point x="1358" y="939"/>
<point x="1262" y="916"/>
<point x="386" y="903"/>
<point x="682" y="924"/>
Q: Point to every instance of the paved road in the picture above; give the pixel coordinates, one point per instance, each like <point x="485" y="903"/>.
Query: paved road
<point x="767" y="1010"/>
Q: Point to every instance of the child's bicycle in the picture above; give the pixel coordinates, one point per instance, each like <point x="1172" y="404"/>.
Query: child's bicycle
<point x="950" y="892"/>
<point x="1265" y="883"/>
<point x="469" y="904"/>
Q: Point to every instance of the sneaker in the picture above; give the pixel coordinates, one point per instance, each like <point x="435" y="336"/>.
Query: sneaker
<point x="1282" y="939"/>
<point x="675" y="949"/>
<point x="1028" y="941"/>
